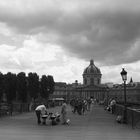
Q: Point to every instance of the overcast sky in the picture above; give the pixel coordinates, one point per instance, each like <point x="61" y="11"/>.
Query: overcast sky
<point x="59" y="37"/>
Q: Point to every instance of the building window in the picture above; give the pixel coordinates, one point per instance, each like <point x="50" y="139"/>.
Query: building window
<point x="91" y="80"/>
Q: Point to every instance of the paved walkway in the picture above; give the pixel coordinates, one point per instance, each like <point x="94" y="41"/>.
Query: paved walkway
<point x="95" y="125"/>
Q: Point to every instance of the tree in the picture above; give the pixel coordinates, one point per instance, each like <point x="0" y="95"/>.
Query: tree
<point x="33" y="85"/>
<point x="44" y="87"/>
<point x="51" y="84"/>
<point x="10" y="86"/>
<point x="22" y="87"/>
<point x="47" y="86"/>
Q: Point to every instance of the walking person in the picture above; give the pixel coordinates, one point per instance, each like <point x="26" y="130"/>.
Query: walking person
<point x="80" y="106"/>
<point x="113" y="105"/>
<point x="40" y="111"/>
<point x="75" y="106"/>
<point x="64" y="113"/>
<point x="84" y="106"/>
<point x="72" y="104"/>
<point x="89" y="104"/>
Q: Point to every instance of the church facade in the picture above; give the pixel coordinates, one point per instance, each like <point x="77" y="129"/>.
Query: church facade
<point x="91" y="86"/>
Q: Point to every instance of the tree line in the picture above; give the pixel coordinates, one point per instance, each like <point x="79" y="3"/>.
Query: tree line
<point x="19" y="87"/>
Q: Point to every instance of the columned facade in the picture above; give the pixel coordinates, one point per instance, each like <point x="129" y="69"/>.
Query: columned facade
<point x="92" y="86"/>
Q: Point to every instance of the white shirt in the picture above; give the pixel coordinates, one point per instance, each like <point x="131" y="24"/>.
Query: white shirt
<point x="42" y="108"/>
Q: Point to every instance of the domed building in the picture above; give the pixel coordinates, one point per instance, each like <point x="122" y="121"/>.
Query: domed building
<point x="92" y="86"/>
<point x="92" y="75"/>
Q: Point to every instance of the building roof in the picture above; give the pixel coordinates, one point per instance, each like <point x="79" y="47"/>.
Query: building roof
<point x="92" y="69"/>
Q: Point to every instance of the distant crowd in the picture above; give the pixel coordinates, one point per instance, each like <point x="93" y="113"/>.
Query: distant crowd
<point x="80" y="106"/>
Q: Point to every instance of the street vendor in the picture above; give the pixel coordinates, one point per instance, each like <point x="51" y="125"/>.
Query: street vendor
<point x="40" y="111"/>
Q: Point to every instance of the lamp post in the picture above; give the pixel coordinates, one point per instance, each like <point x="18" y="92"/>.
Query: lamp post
<point x="124" y="78"/>
<point x="66" y="95"/>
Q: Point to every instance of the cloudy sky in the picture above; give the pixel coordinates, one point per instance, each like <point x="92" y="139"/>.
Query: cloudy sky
<point x="59" y="37"/>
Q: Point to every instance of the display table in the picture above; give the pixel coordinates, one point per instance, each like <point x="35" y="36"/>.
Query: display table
<point x="44" y="117"/>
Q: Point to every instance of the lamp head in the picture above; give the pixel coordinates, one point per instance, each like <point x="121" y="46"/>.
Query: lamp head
<point x="124" y="74"/>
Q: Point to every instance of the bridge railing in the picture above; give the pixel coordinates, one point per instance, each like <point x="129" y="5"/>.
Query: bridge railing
<point x="10" y="109"/>
<point x="133" y="114"/>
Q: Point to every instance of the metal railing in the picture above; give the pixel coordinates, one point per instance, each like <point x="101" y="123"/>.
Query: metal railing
<point x="10" y="109"/>
<point x="133" y="115"/>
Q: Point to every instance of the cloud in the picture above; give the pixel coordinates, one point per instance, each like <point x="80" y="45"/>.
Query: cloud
<point x="104" y="29"/>
<point x="6" y="57"/>
<point x="49" y="32"/>
<point x="29" y="55"/>
<point x="71" y="70"/>
<point x="40" y="57"/>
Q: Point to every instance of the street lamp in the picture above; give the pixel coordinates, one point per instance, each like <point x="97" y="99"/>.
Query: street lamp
<point x="124" y="78"/>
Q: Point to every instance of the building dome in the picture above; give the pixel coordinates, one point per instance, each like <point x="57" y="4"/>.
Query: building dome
<point x="92" y="69"/>
<point x="92" y="75"/>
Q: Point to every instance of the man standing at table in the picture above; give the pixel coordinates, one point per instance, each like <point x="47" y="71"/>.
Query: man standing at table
<point x="40" y="110"/>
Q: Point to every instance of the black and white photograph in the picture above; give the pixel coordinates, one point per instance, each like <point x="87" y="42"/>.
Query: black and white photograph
<point x="69" y="70"/>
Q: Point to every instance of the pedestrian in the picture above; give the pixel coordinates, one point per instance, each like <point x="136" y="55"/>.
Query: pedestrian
<point x="72" y="103"/>
<point x="40" y="111"/>
<point x="75" y="106"/>
<point x="89" y="104"/>
<point x="64" y="113"/>
<point x="80" y="106"/>
<point x="84" y="106"/>
<point x="113" y="105"/>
